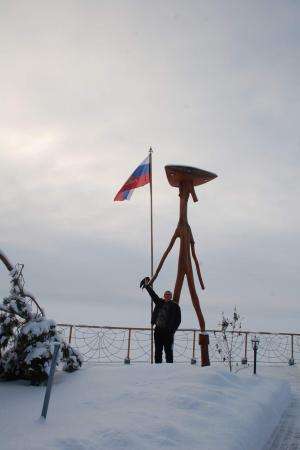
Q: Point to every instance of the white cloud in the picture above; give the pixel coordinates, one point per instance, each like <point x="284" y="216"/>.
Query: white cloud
<point x="87" y="88"/>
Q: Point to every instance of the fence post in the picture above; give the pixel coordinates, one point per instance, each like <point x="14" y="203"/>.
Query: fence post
<point x="70" y="334"/>
<point x="244" y="359"/>
<point x="151" y="345"/>
<point x="127" y="359"/>
<point x="193" y="359"/>
<point x="291" y="360"/>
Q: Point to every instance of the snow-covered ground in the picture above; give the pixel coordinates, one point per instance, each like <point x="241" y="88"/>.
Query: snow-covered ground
<point x="139" y="407"/>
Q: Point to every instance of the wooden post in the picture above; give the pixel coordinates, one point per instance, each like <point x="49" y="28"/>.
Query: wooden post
<point x="193" y="359"/>
<point x="291" y="360"/>
<point x="70" y="333"/>
<point x="127" y="359"/>
<point x="244" y="359"/>
<point x="204" y="343"/>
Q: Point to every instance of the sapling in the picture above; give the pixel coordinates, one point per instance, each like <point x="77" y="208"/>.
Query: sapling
<point x="230" y="328"/>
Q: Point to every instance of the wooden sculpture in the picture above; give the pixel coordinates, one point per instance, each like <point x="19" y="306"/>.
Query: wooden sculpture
<point x="186" y="178"/>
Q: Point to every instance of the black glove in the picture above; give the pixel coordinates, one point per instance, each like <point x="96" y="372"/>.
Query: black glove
<point x="144" y="282"/>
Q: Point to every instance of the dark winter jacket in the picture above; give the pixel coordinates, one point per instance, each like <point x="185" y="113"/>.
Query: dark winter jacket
<point x="166" y="315"/>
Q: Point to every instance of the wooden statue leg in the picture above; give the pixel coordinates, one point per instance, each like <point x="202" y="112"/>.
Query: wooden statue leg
<point x="195" y="299"/>
<point x="182" y="263"/>
<point x="203" y="338"/>
<point x="178" y="284"/>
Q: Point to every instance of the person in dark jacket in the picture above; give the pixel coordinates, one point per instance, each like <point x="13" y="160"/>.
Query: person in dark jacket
<point x="166" y="317"/>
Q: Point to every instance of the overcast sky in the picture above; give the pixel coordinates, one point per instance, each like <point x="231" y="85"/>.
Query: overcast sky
<point x="86" y="88"/>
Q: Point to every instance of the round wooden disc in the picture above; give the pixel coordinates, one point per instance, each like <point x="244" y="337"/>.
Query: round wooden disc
<point x="178" y="174"/>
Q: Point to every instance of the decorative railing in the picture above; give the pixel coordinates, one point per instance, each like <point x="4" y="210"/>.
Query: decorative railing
<point x="117" y="344"/>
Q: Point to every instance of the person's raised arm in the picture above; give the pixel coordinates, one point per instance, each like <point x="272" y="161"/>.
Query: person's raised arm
<point x="145" y="284"/>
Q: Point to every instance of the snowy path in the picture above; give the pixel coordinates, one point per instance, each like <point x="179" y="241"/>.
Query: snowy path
<point x="287" y="434"/>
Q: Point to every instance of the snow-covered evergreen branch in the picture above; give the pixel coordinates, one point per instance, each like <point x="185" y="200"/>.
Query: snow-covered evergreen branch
<point x="27" y="338"/>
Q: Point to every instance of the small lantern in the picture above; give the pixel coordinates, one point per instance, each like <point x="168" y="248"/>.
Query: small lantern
<point x="255" y="343"/>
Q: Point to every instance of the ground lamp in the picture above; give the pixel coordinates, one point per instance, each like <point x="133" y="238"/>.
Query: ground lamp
<point x="255" y="344"/>
<point x="185" y="179"/>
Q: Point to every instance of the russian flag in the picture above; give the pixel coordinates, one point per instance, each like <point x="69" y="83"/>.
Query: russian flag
<point x="138" y="178"/>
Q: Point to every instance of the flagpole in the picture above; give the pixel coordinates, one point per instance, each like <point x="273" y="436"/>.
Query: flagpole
<point x="151" y="232"/>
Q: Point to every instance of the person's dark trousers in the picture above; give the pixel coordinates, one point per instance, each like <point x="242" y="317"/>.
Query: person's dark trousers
<point x="163" y="339"/>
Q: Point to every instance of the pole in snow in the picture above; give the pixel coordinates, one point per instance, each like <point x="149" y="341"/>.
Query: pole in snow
<point x="255" y="344"/>
<point x="50" y="380"/>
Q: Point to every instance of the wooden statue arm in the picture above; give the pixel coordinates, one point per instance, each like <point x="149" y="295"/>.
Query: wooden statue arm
<point x="197" y="263"/>
<point x="164" y="258"/>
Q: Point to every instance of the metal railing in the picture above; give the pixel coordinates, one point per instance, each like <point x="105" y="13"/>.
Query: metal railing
<point x="129" y="344"/>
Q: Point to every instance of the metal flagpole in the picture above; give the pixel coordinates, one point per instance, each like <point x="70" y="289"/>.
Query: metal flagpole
<point x="151" y="226"/>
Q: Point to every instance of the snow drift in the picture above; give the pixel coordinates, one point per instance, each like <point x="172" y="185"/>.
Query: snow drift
<point x="144" y="407"/>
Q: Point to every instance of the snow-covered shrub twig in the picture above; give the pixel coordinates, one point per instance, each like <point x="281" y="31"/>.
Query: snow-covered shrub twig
<point x="229" y="329"/>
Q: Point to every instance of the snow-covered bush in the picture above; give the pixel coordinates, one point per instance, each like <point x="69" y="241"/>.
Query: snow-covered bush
<point x="27" y="338"/>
